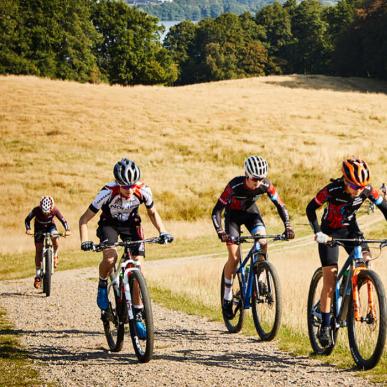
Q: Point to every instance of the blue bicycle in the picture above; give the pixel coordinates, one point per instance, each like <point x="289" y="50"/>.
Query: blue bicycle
<point x="256" y="285"/>
<point x="359" y="304"/>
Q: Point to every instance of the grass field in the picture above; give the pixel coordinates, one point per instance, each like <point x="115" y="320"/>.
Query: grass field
<point x="62" y="138"/>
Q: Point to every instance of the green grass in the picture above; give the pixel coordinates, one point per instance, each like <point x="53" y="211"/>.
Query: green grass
<point x="288" y="340"/>
<point x="15" y="368"/>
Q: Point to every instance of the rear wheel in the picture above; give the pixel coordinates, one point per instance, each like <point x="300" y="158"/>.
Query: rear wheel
<point x="367" y="335"/>
<point x="314" y="316"/>
<point x="113" y="320"/>
<point x="48" y="256"/>
<point x="235" y="324"/>
<point x="143" y="347"/>
<point x="266" y="301"/>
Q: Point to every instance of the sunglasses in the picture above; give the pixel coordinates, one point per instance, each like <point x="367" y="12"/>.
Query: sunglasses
<point x="353" y="186"/>
<point x="256" y="179"/>
<point x="127" y="187"/>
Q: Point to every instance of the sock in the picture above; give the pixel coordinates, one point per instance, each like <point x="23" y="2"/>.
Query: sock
<point x="38" y="272"/>
<point x="326" y="319"/>
<point x="227" y="289"/>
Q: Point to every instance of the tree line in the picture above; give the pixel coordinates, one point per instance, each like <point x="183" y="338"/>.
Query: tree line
<point x="109" y="41"/>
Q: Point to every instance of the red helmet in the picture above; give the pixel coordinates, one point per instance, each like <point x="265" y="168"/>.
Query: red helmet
<point x="356" y="172"/>
<point x="46" y="204"/>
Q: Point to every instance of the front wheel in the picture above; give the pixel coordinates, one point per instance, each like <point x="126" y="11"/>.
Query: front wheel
<point x="234" y="324"/>
<point x="314" y="316"/>
<point x="367" y="333"/>
<point x="266" y="301"/>
<point x="143" y="345"/>
<point x="113" y="320"/>
<point x="48" y="257"/>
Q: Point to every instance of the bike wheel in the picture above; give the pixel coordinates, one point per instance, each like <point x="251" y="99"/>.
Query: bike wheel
<point x="367" y="335"/>
<point x="113" y="320"/>
<point x="48" y="256"/>
<point x="235" y="324"/>
<point x="142" y="347"/>
<point x="314" y="316"/>
<point x="266" y="301"/>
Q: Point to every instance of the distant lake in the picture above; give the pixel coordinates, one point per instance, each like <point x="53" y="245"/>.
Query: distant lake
<point x="168" y="24"/>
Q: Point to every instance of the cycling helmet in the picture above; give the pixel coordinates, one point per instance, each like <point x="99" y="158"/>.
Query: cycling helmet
<point x="126" y="172"/>
<point x="46" y="204"/>
<point x="356" y="172"/>
<point x="256" y="166"/>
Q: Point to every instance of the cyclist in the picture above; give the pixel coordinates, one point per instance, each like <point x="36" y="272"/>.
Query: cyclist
<point x="44" y="215"/>
<point x="344" y="196"/>
<point x="238" y="199"/>
<point x="119" y="202"/>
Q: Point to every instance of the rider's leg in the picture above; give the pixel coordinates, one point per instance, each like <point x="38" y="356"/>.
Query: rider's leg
<point x="55" y="245"/>
<point x="259" y="229"/>
<point x="229" y="269"/>
<point x="109" y="258"/>
<point x="38" y="256"/>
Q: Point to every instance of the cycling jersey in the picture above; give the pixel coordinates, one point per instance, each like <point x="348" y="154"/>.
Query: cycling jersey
<point x="44" y="221"/>
<point x="118" y="210"/>
<point x="342" y="207"/>
<point x="237" y="199"/>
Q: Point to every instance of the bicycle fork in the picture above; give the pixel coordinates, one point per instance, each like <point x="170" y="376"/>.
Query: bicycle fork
<point x="128" y="296"/>
<point x="355" y="296"/>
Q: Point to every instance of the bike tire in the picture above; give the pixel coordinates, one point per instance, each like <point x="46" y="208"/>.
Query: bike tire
<point x="314" y="317"/>
<point x="235" y="324"/>
<point x="48" y="257"/>
<point x="266" y="301"/>
<point x="113" y="320"/>
<point x="357" y="330"/>
<point x="142" y="348"/>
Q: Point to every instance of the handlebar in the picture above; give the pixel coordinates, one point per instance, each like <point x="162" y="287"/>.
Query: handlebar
<point x="255" y="238"/>
<point x="52" y="234"/>
<point x="101" y="246"/>
<point x="356" y="241"/>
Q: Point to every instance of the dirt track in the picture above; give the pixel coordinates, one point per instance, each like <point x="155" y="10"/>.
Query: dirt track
<point x="63" y="335"/>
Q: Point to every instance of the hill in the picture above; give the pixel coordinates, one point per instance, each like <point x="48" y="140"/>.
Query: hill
<point x="62" y="138"/>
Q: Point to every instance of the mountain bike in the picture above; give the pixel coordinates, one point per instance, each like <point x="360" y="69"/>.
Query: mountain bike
<point x="255" y="285"/>
<point x="125" y="280"/>
<point x="359" y="304"/>
<point x="47" y="260"/>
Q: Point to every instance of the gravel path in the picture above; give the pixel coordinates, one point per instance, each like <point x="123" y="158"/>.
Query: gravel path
<point x="64" y="337"/>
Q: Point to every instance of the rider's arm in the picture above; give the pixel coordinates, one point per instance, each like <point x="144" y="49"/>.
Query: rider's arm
<point x="155" y="219"/>
<point x="280" y="205"/>
<point x="61" y="218"/>
<point x="84" y="219"/>
<point x="379" y="201"/>
<point x="314" y="204"/>
<point x="27" y="220"/>
<point x="223" y="201"/>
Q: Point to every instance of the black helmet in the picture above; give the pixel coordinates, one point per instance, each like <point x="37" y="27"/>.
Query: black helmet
<point x="126" y="172"/>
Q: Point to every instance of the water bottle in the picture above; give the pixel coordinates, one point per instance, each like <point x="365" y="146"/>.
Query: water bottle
<point x="247" y="270"/>
<point x="344" y="282"/>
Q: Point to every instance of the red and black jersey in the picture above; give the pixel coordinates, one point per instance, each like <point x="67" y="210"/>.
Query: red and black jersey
<point x="341" y="208"/>
<point x="238" y="197"/>
<point x="43" y="220"/>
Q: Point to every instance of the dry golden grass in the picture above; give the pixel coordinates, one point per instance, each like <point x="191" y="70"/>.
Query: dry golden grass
<point x="62" y="138"/>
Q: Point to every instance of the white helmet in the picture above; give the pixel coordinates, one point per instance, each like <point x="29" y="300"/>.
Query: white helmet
<point x="46" y="204"/>
<point x="126" y="172"/>
<point x="256" y="166"/>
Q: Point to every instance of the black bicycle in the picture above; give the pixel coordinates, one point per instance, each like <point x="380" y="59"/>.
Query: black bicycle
<point x="359" y="303"/>
<point x="255" y="285"/>
<point x="47" y="259"/>
<point x="126" y="283"/>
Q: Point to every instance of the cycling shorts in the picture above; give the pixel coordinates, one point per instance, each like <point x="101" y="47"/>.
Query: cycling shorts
<point x="329" y="256"/>
<point x="109" y="232"/>
<point x="251" y="220"/>
<point x="38" y="237"/>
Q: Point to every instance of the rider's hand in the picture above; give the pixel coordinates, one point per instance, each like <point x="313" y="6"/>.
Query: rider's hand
<point x="223" y="236"/>
<point x="29" y="232"/>
<point x="165" y="237"/>
<point x="289" y="232"/>
<point x="320" y="237"/>
<point x="67" y="233"/>
<point x="87" y="245"/>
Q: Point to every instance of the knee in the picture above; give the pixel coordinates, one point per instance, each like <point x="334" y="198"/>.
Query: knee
<point x="109" y="256"/>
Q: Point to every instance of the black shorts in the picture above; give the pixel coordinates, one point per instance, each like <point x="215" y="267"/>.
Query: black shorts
<point x="234" y="220"/>
<point x="38" y="237"/>
<point x="109" y="232"/>
<point x="329" y="256"/>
